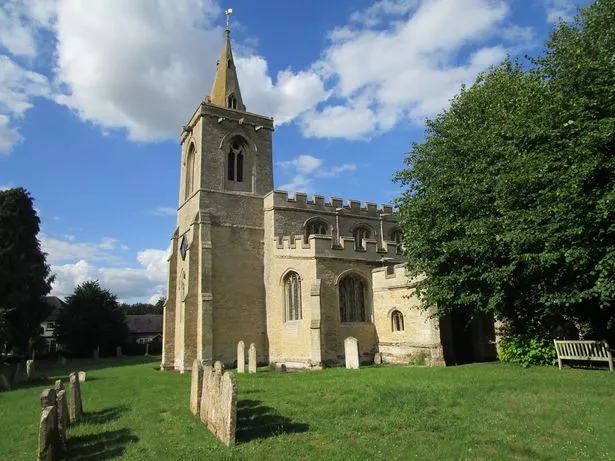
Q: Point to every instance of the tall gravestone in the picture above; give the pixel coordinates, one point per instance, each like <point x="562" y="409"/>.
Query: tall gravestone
<point x="228" y="409"/>
<point x="252" y="359"/>
<point x="48" y="442"/>
<point x="96" y="353"/>
<point x="62" y="408"/>
<point x="241" y="357"/>
<point x="30" y="369"/>
<point x="76" y="405"/>
<point x="207" y="371"/>
<point x="48" y="398"/>
<point x="219" y="403"/>
<point x="196" y="387"/>
<point x="351" y="352"/>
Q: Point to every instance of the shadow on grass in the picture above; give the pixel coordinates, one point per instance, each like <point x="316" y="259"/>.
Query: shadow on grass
<point x="104" y="445"/>
<point x="104" y="416"/>
<point x="258" y="421"/>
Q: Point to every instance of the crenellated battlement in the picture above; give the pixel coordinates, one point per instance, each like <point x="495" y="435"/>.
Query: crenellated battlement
<point x="393" y="276"/>
<point x="280" y="199"/>
<point x="324" y="246"/>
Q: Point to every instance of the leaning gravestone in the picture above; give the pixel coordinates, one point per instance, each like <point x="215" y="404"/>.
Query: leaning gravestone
<point x="82" y="376"/>
<point x="196" y="387"/>
<point x="48" y="442"/>
<point x="351" y="351"/>
<point x="252" y="359"/>
<point x="241" y="357"/>
<point x="30" y="369"/>
<point x="63" y="419"/>
<point x="76" y="406"/>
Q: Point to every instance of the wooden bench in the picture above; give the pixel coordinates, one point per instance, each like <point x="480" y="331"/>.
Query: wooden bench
<point x="595" y="351"/>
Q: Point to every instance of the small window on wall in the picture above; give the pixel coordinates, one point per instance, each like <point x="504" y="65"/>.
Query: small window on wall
<point x="189" y="182"/>
<point x="315" y="227"/>
<point x="292" y="296"/>
<point x="397" y="238"/>
<point x="360" y="234"/>
<point x="397" y="321"/>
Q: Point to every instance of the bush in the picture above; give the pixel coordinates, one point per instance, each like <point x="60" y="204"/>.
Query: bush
<point x="527" y="351"/>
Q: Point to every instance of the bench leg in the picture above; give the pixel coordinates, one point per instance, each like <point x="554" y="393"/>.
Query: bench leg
<point x="559" y="362"/>
<point x="611" y="364"/>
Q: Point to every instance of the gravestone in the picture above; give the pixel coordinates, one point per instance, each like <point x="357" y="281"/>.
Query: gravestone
<point x="196" y="387"/>
<point x="146" y="348"/>
<point x="82" y="376"/>
<point x="377" y="358"/>
<point x="252" y="359"/>
<point x="16" y="374"/>
<point x="219" y="403"/>
<point x="48" y="398"/>
<point x="30" y="369"/>
<point x="62" y="407"/>
<point x="228" y="409"/>
<point x="4" y="383"/>
<point x="76" y="406"/>
<point x="241" y="357"/>
<point x="48" y="441"/>
<point x="351" y="352"/>
<point x="207" y="371"/>
<point x="96" y="353"/>
<point x="58" y="386"/>
<point x="118" y="351"/>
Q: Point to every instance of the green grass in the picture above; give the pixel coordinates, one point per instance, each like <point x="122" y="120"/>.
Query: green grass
<point x="482" y="411"/>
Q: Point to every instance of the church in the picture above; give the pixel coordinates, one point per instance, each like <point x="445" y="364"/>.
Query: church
<point x="296" y="276"/>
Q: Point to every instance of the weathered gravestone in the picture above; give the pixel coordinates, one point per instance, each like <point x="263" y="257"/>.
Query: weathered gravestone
<point x="82" y="376"/>
<point x="351" y="351"/>
<point x="62" y="409"/>
<point x="219" y="403"/>
<point x="58" y="386"/>
<point x="76" y="406"/>
<point x="252" y="359"/>
<point x="196" y="387"/>
<point x="118" y="351"/>
<point x="48" y="442"/>
<point x="30" y="369"/>
<point x="241" y="357"/>
<point x="377" y="358"/>
<point x="146" y="348"/>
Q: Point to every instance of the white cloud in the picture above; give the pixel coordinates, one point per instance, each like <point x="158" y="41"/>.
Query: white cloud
<point x="163" y="211"/>
<point x="305" y="168"/>
<point x="64" y="250"/>
<point x="560" y="10"/>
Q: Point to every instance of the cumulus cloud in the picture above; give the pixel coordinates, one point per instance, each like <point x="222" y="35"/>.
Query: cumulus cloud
<point x="559" y="10"/>
<point x="62" y="250"/>
<point x="163" y="211"/>
<point x="304" y="168"/>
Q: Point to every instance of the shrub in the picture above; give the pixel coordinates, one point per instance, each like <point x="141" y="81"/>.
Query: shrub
<point x="527" y="351"/>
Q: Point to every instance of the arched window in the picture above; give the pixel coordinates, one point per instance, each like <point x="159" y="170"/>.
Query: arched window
<point x="397" y="238"/>
<point x="360" y="234"/>
<point x="292" y="297"/>
<point x="232" y="101"/>
<point x="190" y="159"/>
<point x="240" y="166"/>
<point x="397" y="321"/>
<point x="235" y="161"/>
<point x="231" y="165"/>
<point x="315" y="227"/>
<point x="228" y="63"/>
<point x="352" y="299"/>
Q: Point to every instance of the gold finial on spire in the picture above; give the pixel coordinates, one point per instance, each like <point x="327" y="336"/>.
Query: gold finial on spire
<point x="228" y="13"/>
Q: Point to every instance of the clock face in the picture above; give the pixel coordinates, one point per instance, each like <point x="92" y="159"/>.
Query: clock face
<point x="183" y="248"/>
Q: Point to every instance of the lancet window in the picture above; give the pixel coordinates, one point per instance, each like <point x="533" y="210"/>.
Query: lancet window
<point x="397" y="321"/>
<point x="360" y="234"/>
<point x="352" y="299"/>
<point x="190" y="160"/>
<point x="292" y="296"/>
<point x="235" y="162"/>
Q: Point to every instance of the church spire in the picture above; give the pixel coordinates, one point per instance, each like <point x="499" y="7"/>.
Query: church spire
<point x="225" y="90"/>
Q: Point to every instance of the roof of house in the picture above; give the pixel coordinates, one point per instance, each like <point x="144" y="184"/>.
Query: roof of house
<point x="56" y="305"/>
<point x="146" y="323"/>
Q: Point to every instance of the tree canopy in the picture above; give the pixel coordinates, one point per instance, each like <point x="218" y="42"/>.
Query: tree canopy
<point x="92" y="318"/>
<point x="509" y="205"/>
<point x="24" y="274"/>
<point x="143" y="308"/>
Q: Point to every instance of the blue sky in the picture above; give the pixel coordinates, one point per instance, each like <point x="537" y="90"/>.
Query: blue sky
<point x="93" y="94"/>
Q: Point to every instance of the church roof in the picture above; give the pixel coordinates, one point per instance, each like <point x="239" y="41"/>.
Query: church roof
<point x="225" y="90"/>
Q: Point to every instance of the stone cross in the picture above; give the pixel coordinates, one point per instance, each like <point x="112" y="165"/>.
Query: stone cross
<point x="351" y="352"/>
<point x="30" y="369"/>
<point x="63" y="419"/>
<point x="76" y="406"/>
<point x="48" y="443"/>
<point x="241" y="357"/>
<point x="252" y="359"/>
<point x="196" y="387"/>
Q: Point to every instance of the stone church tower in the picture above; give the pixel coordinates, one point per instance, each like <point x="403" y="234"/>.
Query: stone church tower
<point x="215" y="292"/>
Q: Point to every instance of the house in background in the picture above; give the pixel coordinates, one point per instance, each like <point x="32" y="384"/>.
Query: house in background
<point x="49" y="324"/>
<point x="143" y="329"/>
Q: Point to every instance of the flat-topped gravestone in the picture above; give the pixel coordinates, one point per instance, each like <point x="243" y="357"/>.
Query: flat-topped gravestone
<point x="48" y="442"/>
<point x="82" y="376"/>
<point x="30" y="369"/>
<point x="75" y="409"/>
<point x="63" y="419"/>
<point x="351" y="352"/>
<point x="252" y="359"/>
<point x="241" y="357"/>
<point x="196" y="387"/>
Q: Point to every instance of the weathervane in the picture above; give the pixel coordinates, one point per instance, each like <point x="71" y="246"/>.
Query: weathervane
<point x="228" y="18"/>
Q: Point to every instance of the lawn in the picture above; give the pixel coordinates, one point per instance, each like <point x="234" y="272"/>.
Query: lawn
<point x="481" y="411"/>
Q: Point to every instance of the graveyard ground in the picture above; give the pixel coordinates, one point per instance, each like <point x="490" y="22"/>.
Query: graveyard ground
<point x="481" y="411"/>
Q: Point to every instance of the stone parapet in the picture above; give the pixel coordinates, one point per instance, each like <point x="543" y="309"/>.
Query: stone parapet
<point x="323" y="246"/>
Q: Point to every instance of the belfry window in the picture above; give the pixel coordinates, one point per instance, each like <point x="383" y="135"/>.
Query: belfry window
<point x="235" y="162"/>
<point x="352" y="299"/>
<point x="190" y="159"/>
<point x="232" y="101"/>
<point x="397" y="321"/>
<point x="360" y="234"/>
<point x="292" y="297"/>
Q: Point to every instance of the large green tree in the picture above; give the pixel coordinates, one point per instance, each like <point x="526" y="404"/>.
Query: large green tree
<point x="92" y="318"/>
<point x="509" y="205"/>
<point x="24" y="274"/>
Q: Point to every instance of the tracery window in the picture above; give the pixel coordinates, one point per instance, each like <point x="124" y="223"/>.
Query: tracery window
<point x="397" y="238"/>
<point x="352" y="299"/>
<point x="190" y="159"/>
<point x="315" y="227"/>
<point x="360" y="234"/>
<point x="292" y="296"/>
<point x="232" y="101"/>
<point x="397" y="321"/>
<point x="235" y="162"/>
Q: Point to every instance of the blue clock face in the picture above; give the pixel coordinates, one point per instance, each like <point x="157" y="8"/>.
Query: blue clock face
<point x="183" y="248"/>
